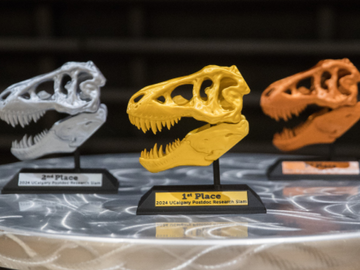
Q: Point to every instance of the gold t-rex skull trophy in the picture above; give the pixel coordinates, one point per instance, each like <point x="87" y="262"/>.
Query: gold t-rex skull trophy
<point x="333" y="87"/>
<point x="153" y="108"/>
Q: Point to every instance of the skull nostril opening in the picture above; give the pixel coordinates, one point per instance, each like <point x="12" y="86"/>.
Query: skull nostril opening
<point x="268" y="93"/>
<point x="138" y="98"/>
<point x="161" y="99"/>
<point x="5" y="96"/>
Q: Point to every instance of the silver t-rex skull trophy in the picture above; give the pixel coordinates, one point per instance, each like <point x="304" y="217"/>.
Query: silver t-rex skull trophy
<point x="80" y="98"/>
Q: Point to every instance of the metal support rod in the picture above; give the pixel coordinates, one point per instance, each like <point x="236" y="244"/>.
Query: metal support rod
<point x="332" y="151"/>
<point x="216" y="171"/>
<point x="77" y="160"/>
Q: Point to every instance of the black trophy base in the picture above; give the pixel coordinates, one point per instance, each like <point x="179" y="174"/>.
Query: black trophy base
<point x="336" y="170"/>
<point x="67" y="181"/>
<point x="159" y="200"/>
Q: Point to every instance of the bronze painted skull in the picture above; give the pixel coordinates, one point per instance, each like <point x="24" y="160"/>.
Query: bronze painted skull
<point x="333" y="87"/>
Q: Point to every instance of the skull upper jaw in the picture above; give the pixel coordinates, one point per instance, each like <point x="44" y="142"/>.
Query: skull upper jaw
<point x="200" y="147"/>
<point x="223" y="101"/>
<point x="333" y="85"/>
<point x="151" y="111"/>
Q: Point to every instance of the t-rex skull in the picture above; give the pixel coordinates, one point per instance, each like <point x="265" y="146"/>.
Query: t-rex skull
<point x="153" y="108"/>
<point x="80" y="98"/>
<point x="333" y="87"/>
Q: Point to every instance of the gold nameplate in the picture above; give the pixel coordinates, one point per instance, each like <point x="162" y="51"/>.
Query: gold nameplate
<point x="321" y="167"/>
<point x="201" y="198"/>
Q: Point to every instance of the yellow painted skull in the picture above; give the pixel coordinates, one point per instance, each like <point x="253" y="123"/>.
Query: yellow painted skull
<point x="153" y="108"/>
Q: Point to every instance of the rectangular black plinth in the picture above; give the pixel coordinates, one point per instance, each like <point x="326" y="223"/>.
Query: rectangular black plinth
<point x="314" y="169"/>
<point x="194" y="200"/>
<point x="37" y="181"/>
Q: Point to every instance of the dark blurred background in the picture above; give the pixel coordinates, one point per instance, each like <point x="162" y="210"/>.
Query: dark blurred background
<point x="137" y="43"/>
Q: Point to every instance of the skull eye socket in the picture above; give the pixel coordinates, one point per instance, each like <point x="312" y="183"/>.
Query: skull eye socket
<point x="342" y="73"/>
<point x="224" y="103"/>
<point x="227" y="82"/>
<point x="205" y="87"/>
<point x="65" y="84"/>
<point x="82" y="77"/>
<point x="324" y="77"/>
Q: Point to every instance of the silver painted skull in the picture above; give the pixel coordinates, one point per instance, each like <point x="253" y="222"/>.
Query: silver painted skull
<point x="79" y="98"/>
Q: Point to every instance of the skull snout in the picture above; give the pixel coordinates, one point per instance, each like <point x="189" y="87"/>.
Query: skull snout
<point x="4" y="95"/>
<point x="267" y="93"/>
<point x="136" y="100"/>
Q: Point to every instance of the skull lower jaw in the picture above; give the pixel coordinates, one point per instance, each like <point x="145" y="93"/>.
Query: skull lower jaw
<point x="31" y="151"/>
<point x="64" y="136"/>
<point x="302" y="135"/>
<point x="183" y="155"/>
<point x="200" y="147"/>
<point x="320" y="128"/>
<point x="308" y="136"/>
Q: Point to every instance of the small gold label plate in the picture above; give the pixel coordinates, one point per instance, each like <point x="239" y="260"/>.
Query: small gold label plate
<point x="201" y="198"/>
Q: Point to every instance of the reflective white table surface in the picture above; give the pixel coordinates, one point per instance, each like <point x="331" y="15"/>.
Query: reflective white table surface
<point x="309" y="224"/>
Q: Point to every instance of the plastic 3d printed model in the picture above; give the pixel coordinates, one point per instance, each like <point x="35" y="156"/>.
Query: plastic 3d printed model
<point x="22" y="103"/>
<point x="333" y="87"/>
<point x="153" y="108"/>
<point x="76" y="91"/>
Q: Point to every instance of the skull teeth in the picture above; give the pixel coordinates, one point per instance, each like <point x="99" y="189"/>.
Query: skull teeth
<point x="286" y="134"/>
<point x="21" y="118"/>
<point x="285" y="114"/>
<point x="156" y="153"/>
<point x="27" y="142"/>
<point x="154" y="125"/>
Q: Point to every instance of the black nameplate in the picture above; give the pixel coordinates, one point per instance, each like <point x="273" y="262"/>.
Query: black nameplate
<point x="228" y="199"/>
<point x="62" y="181"/>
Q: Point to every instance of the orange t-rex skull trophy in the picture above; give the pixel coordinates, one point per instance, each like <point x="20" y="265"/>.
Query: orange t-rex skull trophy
<point x="333" y="87"/>
<point x="153" y="108"/>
